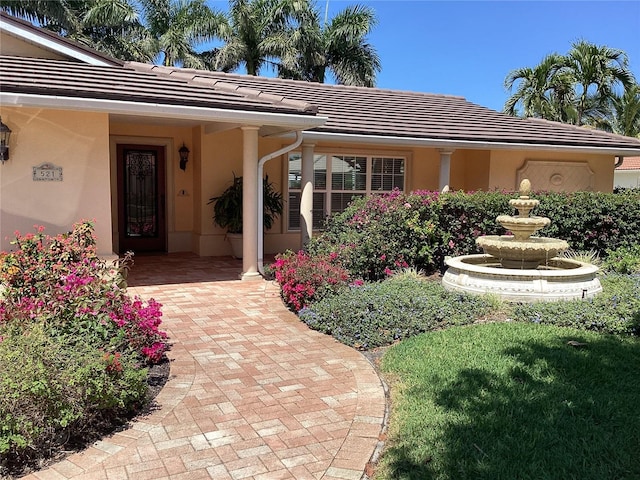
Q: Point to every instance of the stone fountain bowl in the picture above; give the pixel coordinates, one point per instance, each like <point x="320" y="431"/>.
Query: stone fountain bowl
<point x="523" y="227"/>
<point x="560" y="279"/>
<point x="521" y="254"/>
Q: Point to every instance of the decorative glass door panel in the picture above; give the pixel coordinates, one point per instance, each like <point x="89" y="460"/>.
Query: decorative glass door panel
<point x="140" y="180"/>
<point x="141" y="198"/>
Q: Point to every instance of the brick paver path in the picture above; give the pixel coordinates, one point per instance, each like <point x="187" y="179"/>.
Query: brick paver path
<point x="252" y="393"/>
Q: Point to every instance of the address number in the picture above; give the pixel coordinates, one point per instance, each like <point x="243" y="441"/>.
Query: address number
<point x="47" y="172"/>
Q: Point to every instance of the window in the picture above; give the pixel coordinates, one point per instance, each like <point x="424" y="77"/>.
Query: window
<point x="339" y="178"/>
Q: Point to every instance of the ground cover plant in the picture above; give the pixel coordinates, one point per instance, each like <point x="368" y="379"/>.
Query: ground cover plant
<point x="513" y="400"/>
<point x="616" y="310"/>
<point x="377" y="314"/>
<point x="74" y="346"/>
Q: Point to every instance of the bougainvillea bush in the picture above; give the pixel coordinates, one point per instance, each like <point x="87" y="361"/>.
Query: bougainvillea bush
<point x="83" y="341"/>
<point x="381" y="234"/>
<point x="305" y="279"/>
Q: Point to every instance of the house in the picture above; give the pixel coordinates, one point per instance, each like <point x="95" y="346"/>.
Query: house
<point x="627" y="174"/>
<point x="96" y="138"/>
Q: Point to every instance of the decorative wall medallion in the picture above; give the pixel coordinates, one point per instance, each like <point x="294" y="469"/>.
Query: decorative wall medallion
<point x="557" y="176"/>
<point x="556" y="179"/>
<point x="47" y="172"/>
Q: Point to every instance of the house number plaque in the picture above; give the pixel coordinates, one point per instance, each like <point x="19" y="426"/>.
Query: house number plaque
<point x="47" y="172"/>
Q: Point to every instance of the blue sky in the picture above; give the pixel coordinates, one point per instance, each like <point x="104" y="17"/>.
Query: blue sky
<point x="467" y="48"/>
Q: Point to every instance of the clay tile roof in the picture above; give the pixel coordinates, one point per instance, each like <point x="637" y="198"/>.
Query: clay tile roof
<point x="142" y="84"/>
<point x="630" y="163"/>
<point x="395" y="113"/>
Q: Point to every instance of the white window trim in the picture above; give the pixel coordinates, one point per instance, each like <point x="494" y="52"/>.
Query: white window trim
<point x="341" y="151"/>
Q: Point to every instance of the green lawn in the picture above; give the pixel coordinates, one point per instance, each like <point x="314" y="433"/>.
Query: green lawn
<point x="513" y="401"/>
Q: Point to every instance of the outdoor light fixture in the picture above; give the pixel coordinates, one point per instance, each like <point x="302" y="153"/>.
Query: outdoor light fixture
<point x="5" y="133"/>
<point x="184" y="156"/>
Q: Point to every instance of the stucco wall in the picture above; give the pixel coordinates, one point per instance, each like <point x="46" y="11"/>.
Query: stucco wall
<point x="75" y="141"/>
<point x="424" y="169"/>
<point x="475" y="169"/>
<point x="505" y="165"/>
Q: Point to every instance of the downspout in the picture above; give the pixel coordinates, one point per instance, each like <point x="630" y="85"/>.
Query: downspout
<point x="619" y="161"/>
<point x="261" y="163"/>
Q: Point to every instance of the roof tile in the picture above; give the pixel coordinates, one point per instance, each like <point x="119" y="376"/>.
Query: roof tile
<point x="142" y="84"/>
<point x="630" y="163"/>
<point x="396" y="113"/>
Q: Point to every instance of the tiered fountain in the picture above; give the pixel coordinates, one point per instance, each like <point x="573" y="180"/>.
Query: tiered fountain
<point x="520" y="267"/>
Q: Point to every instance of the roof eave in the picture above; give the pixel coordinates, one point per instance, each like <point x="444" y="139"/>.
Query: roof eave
<point x="284" y="120"/>
<point x="55" y="43"/>
<point x="464" y="144"/>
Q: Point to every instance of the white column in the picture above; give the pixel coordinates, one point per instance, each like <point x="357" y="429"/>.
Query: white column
<point x="250" y="203"/>
<point x="445" y="169"/>
<point x="306" y="198"/>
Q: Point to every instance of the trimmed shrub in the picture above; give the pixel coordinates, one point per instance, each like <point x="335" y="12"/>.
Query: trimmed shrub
<point x="625" y="260"/>
<point x="377" y="314"/>
<point x="50" y="390"/>
<point x="615" y="310"/>
<point x="466" y="216"/>
<point x="592" y="220"/>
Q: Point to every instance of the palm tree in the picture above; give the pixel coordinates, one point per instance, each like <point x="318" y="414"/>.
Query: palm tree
<point x="110" y="26"/>
<point x="177" y="28"/>
<point x="114" y="27"/>
<point x="253" y="33"/>
<point x="623" y="115"/>
<point x="541" y="91"/>
<point x="340" y="47"/>
<point x="59" y="16"/>
<point x="596" y="71"/>
<point x="578" y="88"/>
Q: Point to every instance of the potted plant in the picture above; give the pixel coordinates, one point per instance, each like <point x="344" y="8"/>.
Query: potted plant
<point x="227" y="210"/>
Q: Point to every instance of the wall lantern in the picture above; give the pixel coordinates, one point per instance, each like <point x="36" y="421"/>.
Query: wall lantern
<point x="5" y="133"/>
<point x="184" y="156"/>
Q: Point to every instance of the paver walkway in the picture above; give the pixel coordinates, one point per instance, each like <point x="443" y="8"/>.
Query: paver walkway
<point x="252" y="393"/>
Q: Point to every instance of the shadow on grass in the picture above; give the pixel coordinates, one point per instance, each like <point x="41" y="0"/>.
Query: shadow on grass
<point x="555" y="411"/>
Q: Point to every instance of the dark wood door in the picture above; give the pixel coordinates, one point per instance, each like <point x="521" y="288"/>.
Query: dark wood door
<point x="141" y="198"/>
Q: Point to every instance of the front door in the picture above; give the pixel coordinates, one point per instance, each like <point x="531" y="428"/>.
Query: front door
<point x="141" y="198"/>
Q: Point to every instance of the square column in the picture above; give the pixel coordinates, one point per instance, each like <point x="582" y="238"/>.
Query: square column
<point x="445" y="169"/>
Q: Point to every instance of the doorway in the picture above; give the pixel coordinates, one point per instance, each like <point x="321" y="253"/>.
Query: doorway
<point x="142" y="225"/>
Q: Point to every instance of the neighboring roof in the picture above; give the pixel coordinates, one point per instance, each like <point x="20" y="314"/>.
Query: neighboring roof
<point x="402" y="114"/>
<point x="630" y="163"/>
<point x="53" y="42"/>
<point x="63" y="79"/>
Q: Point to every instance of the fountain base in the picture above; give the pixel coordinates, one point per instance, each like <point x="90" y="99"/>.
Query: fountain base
<point x="559" y="279"/>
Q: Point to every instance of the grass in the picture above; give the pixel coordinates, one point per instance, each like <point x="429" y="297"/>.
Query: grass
<point x="513" y="401"/>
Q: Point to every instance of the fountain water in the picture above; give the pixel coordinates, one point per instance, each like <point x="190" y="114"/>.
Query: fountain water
<point x="520" y="267"/>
